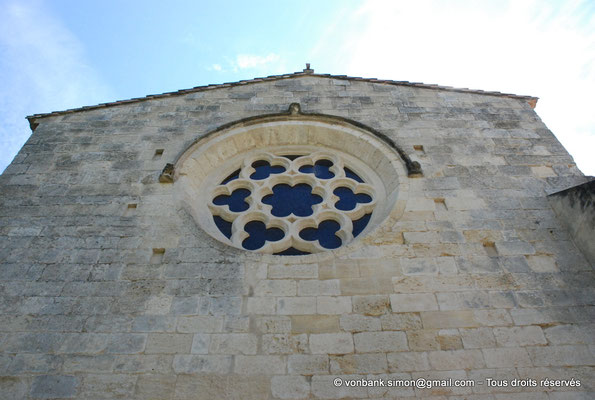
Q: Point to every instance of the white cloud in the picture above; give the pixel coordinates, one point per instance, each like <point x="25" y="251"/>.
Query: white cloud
<point x="43" y="68"/>
<point x="540" y="48"/>
<point x="217" y="67"/>
<point x="244" y="61"/>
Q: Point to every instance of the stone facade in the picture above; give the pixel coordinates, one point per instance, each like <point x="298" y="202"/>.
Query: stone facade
<point x="110" y="290"/>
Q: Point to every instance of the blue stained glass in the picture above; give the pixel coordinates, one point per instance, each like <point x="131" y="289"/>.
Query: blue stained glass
<point x="325" y="234"/>
<point x="259" y="234"/>
<point x="320" y="169"/>
<point x="350" y="174"/>
<point x="236" y="201"/>
<point x="348" y="199"/>
<point x="223" y="225"/>
<point x="297" y="200"/>
<point x="292" y="251"/>
<point x="234" y="175"/>
<point x="263" y="169"/>
<point x="360" y="224"/>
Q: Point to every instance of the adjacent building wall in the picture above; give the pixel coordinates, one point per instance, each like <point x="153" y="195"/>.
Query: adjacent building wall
<point x="576" y="207"/>
<point x="108" y="290"/>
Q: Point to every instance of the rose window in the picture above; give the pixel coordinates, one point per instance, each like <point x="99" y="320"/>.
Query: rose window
<point x="292" y="204"/>
<point x="292" y="184"/>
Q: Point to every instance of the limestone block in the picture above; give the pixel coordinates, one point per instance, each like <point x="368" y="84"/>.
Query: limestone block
<point x="259" y="365"/>
<point x="340" y="269"/>
<point x="284" y="343"/>
<point x="420" y="204"/>
<point x="233" y="343"/>
<point x="333" y="305"/>
<point x="273" y="324"/>
<point x="371" y="342"/>
<point x="371" y="305"/>
<point x="21" y="364"/>
<point x="102" y="386"/>
<point x="506" y="357"/>
<point x="423" y="340"/>
<point x="185" y="305"/>
<point x="463" y="203"/>
<point x="304" y="271"/>
<point x="542" y="264"/>
<point x="565" y="355"/>
<point x="519" y="336"/>
<point x="308" y="364"/>
<point x="53" y="386"/>
<point x="329" y="287"/>
<point x="200" y="343"/>
<point x="85" y="343"/>
<point x="400" y="322"/>
<point x="362" y="286"/>
<point x="222" y="386"/>
<point x="124" y="343"/>
<point x="88" y="363"/>
<point x="154" y="323"/>
<point x="359" y="323"/>
<point x="281" y="287"/>
<point x="514" y="248"/>
<point x="413" y="302"/>
<point x="200" y="324"/>
<point x="290" y="387"/>
<point x="296" y="305"/>
<point x="261" y="305"/>
<point x="419" y="266"/>
<point x="476" y="338"/>
<point x="192" y="364"/>
<point x="225" y="305"/>
<point x="570" y="334"/>
<point x="449" y="319"/>
<point x="359" y="364"/>
<point x="408" y="361"/>
<point x="462" y="359"/>
<point x="143" y="363"/>
<point x="331" y="343"/>
<point x="323" y="387"/>
<point x="314" y="323"/>
<point x="155" y="387"/>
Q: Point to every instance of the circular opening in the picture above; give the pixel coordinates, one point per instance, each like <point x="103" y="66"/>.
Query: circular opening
<point x="289" y="187"/>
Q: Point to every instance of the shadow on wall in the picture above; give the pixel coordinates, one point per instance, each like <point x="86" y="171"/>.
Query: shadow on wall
<point x="576" y="209"/>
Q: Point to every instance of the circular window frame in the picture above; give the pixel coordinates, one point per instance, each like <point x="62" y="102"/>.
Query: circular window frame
<point x="210" y="159"/>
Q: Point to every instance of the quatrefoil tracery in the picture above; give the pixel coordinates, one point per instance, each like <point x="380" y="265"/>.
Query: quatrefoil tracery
<point x="294" y="204"/>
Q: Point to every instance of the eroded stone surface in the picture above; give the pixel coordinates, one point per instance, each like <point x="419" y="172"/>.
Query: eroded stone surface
<point x="108" y="289"/>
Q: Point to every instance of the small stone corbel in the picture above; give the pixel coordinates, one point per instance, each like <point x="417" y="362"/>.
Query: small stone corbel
<point x="167" y="175"/>
<point x="294" y="109"/>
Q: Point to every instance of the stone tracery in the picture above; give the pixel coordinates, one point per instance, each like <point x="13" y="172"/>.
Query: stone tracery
<point x="292" y="204"/>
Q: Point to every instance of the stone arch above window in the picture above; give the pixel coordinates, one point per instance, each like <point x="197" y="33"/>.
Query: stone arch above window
<point x="290" y="184"/>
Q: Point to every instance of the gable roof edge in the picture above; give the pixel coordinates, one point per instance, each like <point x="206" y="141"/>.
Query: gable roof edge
<point x="532" y="101"/>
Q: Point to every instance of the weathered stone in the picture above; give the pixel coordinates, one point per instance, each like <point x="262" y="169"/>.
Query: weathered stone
<point x="233" y="343"/>
<point x="290" y="387"/>
<point x="506" y="357"/>
<point x="116" y="285"/>
<point x="371" y="305"/>
<point x="55" y="386"/>
<point x="358" y="364"/>
<point x="168" y="343"/>
<point x="308" y="364"/>
<point x="331" y="343"/>
<point x="359" y="323"/>
<point x="366" y="342"/>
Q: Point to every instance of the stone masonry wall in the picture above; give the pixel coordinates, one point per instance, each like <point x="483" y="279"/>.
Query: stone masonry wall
<point x="109" y="291"/>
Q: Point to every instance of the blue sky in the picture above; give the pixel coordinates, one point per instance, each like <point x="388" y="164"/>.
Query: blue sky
<point x="62" y="54"/>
